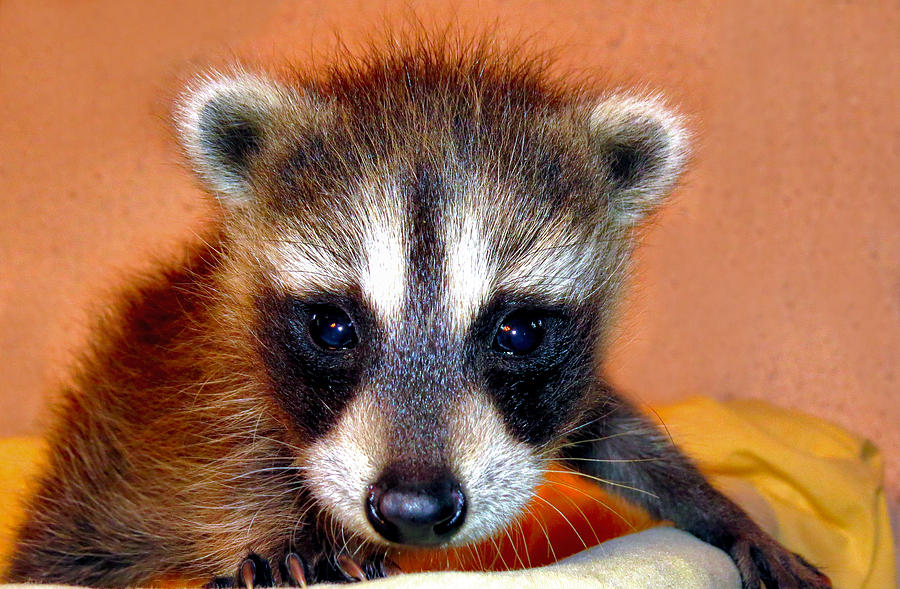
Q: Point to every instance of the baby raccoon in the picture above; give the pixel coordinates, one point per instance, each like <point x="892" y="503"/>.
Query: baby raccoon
<point x="397" y="323"/>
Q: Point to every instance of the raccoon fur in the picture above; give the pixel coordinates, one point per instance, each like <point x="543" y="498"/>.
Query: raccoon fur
<point x="397" y="323"/>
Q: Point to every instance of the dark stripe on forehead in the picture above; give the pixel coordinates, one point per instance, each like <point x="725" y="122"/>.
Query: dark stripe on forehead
<point x="426" y="268"/>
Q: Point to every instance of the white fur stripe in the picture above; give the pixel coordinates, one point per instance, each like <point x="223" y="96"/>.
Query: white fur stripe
<point x="302" y="269"/>
<point x="470" y="274"/>
<point x="384" y="277"/>
<point x="500" y="473"/>
<point x="341" y="466"/>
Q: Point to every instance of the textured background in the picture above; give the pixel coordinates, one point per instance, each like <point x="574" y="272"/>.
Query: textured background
<point x="774" y="274"/>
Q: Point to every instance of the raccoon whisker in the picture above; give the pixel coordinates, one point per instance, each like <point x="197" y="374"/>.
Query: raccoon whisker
<point x="474" y="557"/>
<point x="585" y="459"/>
<point x="204" y="384"/>
<point x="283" y="443"/>
<point x="606" y="482"/>
<point x="304" y="509"/>
<point x="229" y="460"/>
<point x="464" y="555"/>
<point x="521" y="563"/>
<point x="263" y="470"/>
<point x="662" y="424"/>
<point x="285" y="446"/>
<point x="599" y="501"/>
<point x="332" y="526"/>
<point x="584" y="516"/>
<point x="562" y="515"/>
<point x="354" y="534"/>
<point x="350" y="541"/>
<point x="607" y="414"/>
<point x="212" y="246"/>
<point x="482" y="559"/>
<point x="262" y="507"/>
<point x="524" y="541"/>
<point x="591" y="440"/>
<point x="235" y="506"/>
<point x="343" y="531"/>
<point x="497" y="554"/>
<point x="585" y="424"/>
<point x="357" y="549"/>
<point x="325" y="404"/>
<point x="360" y="543"/>
<point x="322" y="521"/>
<point x="542" y="524"/>
<point x="337" y="531"/>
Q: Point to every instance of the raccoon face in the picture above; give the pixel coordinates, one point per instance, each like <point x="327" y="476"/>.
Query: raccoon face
<point x="435" y="251"/>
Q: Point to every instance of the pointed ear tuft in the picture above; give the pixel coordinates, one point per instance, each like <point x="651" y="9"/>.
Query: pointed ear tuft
<point x="642" y="147"/>
<point x="224" y="122"/>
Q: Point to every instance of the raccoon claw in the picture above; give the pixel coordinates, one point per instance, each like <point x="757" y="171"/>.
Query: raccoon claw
<point x="765" y="562"/>
<point x="294" y="571"/>
<point x="350" y="568"/>
<point x="354" y="571"/>
<point x="254" y="571"/>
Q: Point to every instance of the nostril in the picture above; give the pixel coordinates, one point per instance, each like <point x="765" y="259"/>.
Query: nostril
<point x="417" y="513"/>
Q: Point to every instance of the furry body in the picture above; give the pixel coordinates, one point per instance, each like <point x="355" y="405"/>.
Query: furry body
<point x="436" y="205"/>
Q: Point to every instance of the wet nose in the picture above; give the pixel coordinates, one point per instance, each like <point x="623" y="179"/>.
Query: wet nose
<point x="420" y="513"/>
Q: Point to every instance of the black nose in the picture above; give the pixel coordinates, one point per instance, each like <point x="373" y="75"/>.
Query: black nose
<point x="420" y="513"/>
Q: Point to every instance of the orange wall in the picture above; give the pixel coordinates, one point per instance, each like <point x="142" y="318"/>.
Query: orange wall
<point x="774" y="274"/>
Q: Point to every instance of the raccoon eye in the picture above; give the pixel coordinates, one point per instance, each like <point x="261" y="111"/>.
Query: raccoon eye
<point x="331" y="328"/>
<point x="520" y="332"/>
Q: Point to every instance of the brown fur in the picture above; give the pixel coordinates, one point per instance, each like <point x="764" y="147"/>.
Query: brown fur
<point x="154" y="439"/>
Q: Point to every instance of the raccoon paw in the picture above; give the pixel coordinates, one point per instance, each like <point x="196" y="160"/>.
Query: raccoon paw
<point x="341" y="568"/>
<point x="296" y="571"/>
<point x="762" y="560"/>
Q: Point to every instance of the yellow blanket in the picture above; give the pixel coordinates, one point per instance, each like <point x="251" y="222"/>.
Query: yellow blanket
<point x="815" y="487"/>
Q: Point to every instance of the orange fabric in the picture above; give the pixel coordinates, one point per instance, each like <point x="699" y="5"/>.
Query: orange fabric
<point x="569" y="508"/>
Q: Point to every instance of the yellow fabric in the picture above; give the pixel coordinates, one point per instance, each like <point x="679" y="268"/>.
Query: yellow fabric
<point x="823" y="485"/>
<point x="816" y="487"/>
<point x="19" y="462"/>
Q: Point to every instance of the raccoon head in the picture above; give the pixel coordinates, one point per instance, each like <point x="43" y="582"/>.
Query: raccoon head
<point x="434" y="248"/>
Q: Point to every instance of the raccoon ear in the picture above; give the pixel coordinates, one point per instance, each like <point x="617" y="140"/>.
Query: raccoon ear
<point x="224" y="122"/>
<point x="642" y="147"/>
